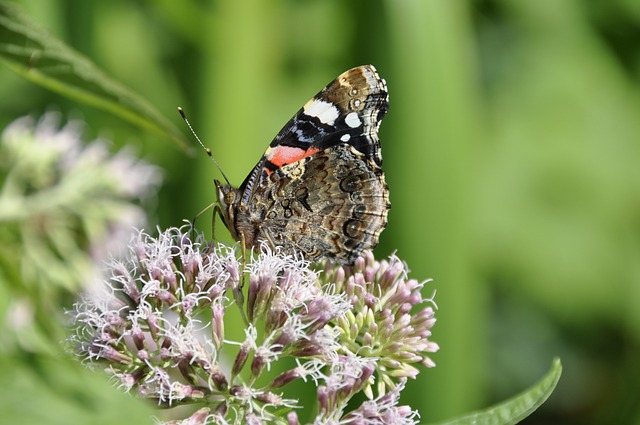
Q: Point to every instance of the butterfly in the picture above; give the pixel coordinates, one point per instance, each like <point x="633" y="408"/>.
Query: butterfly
<point x="319" y="189"/>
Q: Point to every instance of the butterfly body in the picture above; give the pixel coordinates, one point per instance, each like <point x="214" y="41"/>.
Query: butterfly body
<point x="319" y="189"/>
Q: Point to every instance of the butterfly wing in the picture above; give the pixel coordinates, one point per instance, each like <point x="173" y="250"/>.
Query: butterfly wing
<point x="332" y="204"/>
<point x="319" y="189"/>
<point x="347" y="111"/>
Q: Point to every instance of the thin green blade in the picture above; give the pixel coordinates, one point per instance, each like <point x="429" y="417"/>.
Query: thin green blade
<point x="516" y="408"/>
<point x="32" y="52"/>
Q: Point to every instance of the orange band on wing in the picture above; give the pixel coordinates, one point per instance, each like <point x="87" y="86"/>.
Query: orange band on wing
<point x="282" y="155"/>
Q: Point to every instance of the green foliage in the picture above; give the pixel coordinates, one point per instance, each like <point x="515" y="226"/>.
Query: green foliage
<point x="510" y="149"/>
<point x="38" y="56"/>
<point x="515" y="409"/>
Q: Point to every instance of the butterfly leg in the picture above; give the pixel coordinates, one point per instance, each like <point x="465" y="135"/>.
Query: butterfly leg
<point x="243" y="247"/>
<point x="216" y="210"/>
<point x="237" y="291"/>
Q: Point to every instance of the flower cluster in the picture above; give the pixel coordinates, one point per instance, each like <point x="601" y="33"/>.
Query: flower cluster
<point x="64" y="204"/>
<point x="61" y="197"/>
<point x="163" y="325"/>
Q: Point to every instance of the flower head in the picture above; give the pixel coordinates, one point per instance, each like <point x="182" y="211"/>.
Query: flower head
<point x="65" y="196"/>
<point x="382" y="324"/>
<point x="160" y="325"/>
<point x="65" y="203"/>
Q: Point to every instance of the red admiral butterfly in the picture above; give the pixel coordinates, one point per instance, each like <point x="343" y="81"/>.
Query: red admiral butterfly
<point x="319" y="188"/>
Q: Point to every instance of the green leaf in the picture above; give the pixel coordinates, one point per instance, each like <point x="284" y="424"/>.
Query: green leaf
<point x="34" y="53"/>
<point x="517" y="408"/>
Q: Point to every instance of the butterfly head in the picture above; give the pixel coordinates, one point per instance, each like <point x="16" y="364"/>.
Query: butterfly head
<point x="227" y="199"/>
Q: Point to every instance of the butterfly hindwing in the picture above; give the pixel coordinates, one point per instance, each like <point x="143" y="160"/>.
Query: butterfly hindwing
<point x="333" y="204"/>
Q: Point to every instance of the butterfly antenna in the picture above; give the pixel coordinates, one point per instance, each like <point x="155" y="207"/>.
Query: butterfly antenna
<point x="206" y="149"/>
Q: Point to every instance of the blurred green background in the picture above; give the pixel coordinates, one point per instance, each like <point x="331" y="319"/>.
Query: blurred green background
<point x="511" y="149"/>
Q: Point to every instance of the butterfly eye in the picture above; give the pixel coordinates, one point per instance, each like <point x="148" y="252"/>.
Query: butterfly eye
<point x="229" y="197"/>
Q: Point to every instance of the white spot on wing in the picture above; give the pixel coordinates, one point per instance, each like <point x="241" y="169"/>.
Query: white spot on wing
<point x="326" y="112"/>
<point x="345" y="137"/>
<point x="353" y="120"/>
